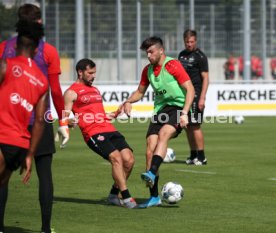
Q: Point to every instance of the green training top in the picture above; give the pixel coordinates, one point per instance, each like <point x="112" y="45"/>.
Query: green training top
<point x="166" y="89"/>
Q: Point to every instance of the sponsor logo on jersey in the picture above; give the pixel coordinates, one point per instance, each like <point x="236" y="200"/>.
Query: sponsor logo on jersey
<point x="16" y="71"/>
<point x="33" y="80"/>
<point x="161" y="92"/>
<point x="85" y="99"/>
<point x="15" y="98"/>
<point x="191" y="59"/>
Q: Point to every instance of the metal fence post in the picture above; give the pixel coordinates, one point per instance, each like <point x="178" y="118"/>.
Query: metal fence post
<point x="192" y="14"/>
<point x="151" y="32"/>
<point x="79" y="31"/>
<point x="212" y="30"/>
<point x="181" y="27"/>
<point x="263" y="29"/>
<point x="89" y="30"/>
<point x="247" y="40"/>
<point x="138" y="40"/>
<point x="119" y="40"/>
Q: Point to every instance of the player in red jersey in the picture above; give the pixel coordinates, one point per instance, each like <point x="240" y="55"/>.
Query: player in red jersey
<point x="23" y="88"/>
<point x="100" y="135"/>
<point x="273" y="68"/>
<point x="48" y="61"/>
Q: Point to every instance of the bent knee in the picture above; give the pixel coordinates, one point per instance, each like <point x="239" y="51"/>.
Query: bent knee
<point x="149" y="153"/>
<point x="129" y="164"/>
<point x="115" y="157"/>
<point x="129" y="161"/>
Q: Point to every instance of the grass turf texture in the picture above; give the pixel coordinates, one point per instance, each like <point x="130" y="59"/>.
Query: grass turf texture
<point x="234" y="193"/>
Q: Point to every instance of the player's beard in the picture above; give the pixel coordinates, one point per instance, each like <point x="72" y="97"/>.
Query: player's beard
<point x="88" y="82"/>
<point x="154" y="61"/>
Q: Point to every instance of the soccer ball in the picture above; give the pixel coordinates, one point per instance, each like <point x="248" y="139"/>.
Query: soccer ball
<point x="170" y="156"/>
<point x="172" y="192"/>
<point x="238" y="119"/>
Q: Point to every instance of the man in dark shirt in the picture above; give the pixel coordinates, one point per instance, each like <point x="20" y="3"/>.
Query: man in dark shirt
<point x="196" y="64"/>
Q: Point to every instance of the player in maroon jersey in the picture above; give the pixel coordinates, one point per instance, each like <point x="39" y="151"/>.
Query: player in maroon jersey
<point x="100" y="135"/>
<point x="23" y="89"/>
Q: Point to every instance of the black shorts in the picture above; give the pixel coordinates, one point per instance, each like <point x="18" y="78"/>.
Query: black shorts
<point x="241" y="73"/>
<point x="196" y="115"/>
<point x="169" y="115"/>
<point x="47" y="143"/>
<point x="105" y="143"/>
<point x="14" y="156"/>
<point x="273" y="73"/>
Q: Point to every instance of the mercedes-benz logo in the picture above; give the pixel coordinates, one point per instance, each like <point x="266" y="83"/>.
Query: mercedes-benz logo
<point x="17" y="71"/>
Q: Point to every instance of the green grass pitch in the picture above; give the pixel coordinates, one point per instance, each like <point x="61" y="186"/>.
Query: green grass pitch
<point x="234" y="193"/>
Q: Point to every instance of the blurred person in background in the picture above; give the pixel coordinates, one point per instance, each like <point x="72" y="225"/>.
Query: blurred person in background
<point x="226" y="70"/>
<point x="229" y="68"/>
<point x="273" y="68"/>
<point x="259" y="71"/>
<point x="256" y="68"/>
<point x="195" y="63"/>
<point x="47" y="59"/>
<point x="240" y="67"/>
<point x="23" y="89"/>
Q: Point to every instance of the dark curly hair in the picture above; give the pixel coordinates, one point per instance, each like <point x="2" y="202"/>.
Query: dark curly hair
<point x="29" y="12"/>
<point x="83" y="63"/>
<point x="29" y="34"/>
<point x="154" y="40"/>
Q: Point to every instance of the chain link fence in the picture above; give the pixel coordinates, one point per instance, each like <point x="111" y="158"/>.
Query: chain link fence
<point x="219" y="27"/>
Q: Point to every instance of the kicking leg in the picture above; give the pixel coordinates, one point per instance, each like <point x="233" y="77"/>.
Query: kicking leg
<point x="128" y="161"/>
<point x="156" y="151"/>
<point x="119" y="177"/>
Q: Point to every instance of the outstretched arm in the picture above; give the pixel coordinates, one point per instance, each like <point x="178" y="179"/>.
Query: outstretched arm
<point x="63" y="130"/>
<point x="69" y="98"/>
<point x="36" y="134"/>
<point x="135" y="96"/>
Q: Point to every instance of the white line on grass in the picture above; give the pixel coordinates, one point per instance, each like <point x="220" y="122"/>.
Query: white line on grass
<point x="192" y="171"/>
<point x="274" y="179"/>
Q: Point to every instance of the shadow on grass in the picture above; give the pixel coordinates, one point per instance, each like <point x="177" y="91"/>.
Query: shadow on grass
<point x="178" y="161"/>
<point x="103" y="201"/>
<point x="81" y="201"/>
<point x="164" y="205"/>
<point x="17" y="230"/>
